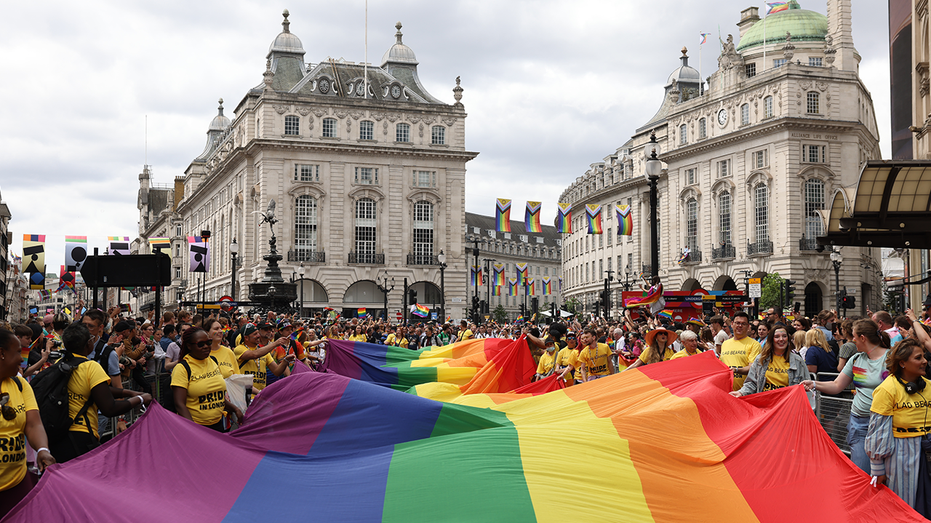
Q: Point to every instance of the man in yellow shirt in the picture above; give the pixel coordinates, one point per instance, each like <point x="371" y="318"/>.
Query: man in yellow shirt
<point x="257" y="361"/>
<point x="464" y="332"/>
<point x="547" y="363"/>
<point x="737" y="351"/>
<point x="595" y="358"/>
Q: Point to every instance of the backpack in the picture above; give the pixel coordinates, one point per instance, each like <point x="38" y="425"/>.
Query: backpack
<point x="51" y="390"/>
<point x="170" y="397"/>
<point x="103" y="358"/>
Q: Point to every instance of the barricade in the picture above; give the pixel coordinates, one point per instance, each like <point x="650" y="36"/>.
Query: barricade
<point x="833" y="412"/>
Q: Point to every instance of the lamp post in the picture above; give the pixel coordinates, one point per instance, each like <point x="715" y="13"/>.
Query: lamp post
<point x="475" y="295"/>
<point x="234" y="250"/>
<point x="607" y="300"/>
<point x="488" y="262"/>
<point x="628" y="272"/>
<point x="383" y="282"/>
<point x="836" y="260"/>
<point x="300" y="271"/>
<point x="653" y="167"/>
<point x="442" y="259"/>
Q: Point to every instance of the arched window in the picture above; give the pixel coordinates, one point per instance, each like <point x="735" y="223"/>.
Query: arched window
<point x="402" y="132"/>
<point x="365" y="227"/>
<point x="329" y="127"/>
<point x="814" y="103"/>
<point x="761" y="212"/>
<point x="366" y="130"/>
<point x="691" y="224"/>
<point x="292" y="125"/>
<point x="724" y="217"/>
<point x="683" y="135"/>
<point x="305" y="228"/>
<point x="423" y="232"/>
<point x="814" y="202"/>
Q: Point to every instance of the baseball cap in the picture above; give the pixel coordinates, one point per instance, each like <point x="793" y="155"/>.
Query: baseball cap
<point x="265" y="326"/>
<point x="248" y="329"/>
<point x="284" y="325"/>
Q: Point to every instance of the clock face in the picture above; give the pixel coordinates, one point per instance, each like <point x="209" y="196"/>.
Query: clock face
<point x="324" y="86"/>
<point x="722" y="117"/>
<point x="360" y="91"/>
<point x="396" y="91"/>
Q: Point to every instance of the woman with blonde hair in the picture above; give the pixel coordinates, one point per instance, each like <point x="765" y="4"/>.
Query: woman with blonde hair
<point x="820" y="357"/>
<point x="799" y="340"/>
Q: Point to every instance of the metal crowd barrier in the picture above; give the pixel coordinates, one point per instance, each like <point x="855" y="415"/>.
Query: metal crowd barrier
<point x="833" y="412"/>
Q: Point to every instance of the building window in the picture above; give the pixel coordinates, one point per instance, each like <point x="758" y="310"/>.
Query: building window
<point x="750" y="70"/>
<point x="690" y="176"/>
<point x="178" y="229"/>
<point x="423" y="229"/>
<point x="367" y="175"/>
<point x="724" y="168"/>
<point x="292" y="125"/>
<point x="683" y="135"/>
<point x="402" y="132"/>
<point x="366" y="130"/>
<point x="177" y="273"/>
<point x="329" y="127"/>
<point x="306" y="173"/>
<point x="814" y="103"/>
<point x="814" y="61"/>
<point x="814" y="153"/>
<point x="762" y="212"/>
<point x="814" y="202"/>
<point x="424" y="178"/>
<point x="745" y="114"/>
<point x="768" y="107"/>
<point x="779" y="62"/>
<point x="438" y="135"/>
<point x="724" y="217"/>
<point x="691" y="224"/>
<point x="760" y="159"/>
<point x="365" y="226"/>
<point x="523" y="238"/>
<point x="305" y="226"/>
<point x="609" y="236"/>
<point x="702" y="129"/>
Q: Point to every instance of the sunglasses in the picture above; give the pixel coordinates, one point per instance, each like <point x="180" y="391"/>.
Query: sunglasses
<point x="8" y="412"/>
<point x="204" y="343"/>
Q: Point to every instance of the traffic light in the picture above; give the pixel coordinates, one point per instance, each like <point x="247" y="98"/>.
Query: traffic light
<point x="475" y="303"/>
<point x="484" y="306"/>
<point x="411" y="296"/>
<point x="790" y="292"/>
<point x="535" y="303"/>
<point x="523" y="311"/>
<point x="849" y="302"/>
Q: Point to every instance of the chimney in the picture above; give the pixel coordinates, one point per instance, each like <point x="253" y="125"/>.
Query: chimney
<point x="840" y="30"/>
<point x="748" y="17"/>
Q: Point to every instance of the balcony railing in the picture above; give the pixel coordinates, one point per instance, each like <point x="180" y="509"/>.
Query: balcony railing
<point x="807" y="244"/>
<point x="303" y="255"/>
<point x="422" y="259"/>
<point x="724" y="252"/>
<point x="759" y="247"/>
<point x="693" y="257"/>
<point x="367" y="259"/>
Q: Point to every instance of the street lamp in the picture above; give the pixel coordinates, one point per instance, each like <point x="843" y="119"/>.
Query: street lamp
<point x="628" y="272"/>
<point x="606" y="305"/>
<point x="442" y="259"/>
<point x="837" y="259"/>
<point x="653" y="167"/>
<point x="234" y="250"/>
<point x="382" y="282"/>
<point x="300" y="271"/>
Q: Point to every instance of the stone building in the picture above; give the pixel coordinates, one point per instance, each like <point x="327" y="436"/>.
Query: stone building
<point x="750" y="162"/>
<point x="367" y="170"/>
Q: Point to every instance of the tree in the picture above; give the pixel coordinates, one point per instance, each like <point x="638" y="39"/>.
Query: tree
<point x="500" y="314"/>
<point x="772" y="292"/>
<point x="573" y="305"/>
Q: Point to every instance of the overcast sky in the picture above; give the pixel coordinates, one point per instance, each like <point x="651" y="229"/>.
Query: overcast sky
<point x="550" y="87"/>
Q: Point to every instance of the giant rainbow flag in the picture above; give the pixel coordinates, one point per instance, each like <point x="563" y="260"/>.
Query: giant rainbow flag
<point x="661" y="443"/>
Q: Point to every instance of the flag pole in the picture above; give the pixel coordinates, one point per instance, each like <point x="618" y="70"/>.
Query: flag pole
<point x="764" y="42"/>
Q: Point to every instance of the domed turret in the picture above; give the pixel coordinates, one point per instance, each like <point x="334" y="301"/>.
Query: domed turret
<point x="219" y="122"/>
<point x="399" y="53"/>
<point x="685" y="73"/>
<point x="286" y="41"/>
<point x="803" y="25"/>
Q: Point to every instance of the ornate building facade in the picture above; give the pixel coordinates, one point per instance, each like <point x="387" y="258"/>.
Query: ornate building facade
<point x="750" y="162"/>
<point x="367" y="170"/>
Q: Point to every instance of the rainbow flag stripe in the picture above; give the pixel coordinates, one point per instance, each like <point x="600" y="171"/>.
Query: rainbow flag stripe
<point x="499" y="275"/>
<point x="649" y="299"/>
<point x="564" y="218"/>
<point x="665" y="313"/>
<point x="421" y="311"/>
<point x="775" y="7"/>
<point x="476" y="273"/>
<point x="625" y="222"/>
<point x="532" y="217"/>
<point x="160" y="243"/>
<point x="521" y="273"/>
<point x="513" y="284"/>
<point x="362" y="311"/>
<point x="530" y="286"/>
<point x="547" y="286"/>
<point x="118" y="238"/>
<point x="503" y="215"/>
<point x="496" y="290"/>
<point x="593" y="212"/>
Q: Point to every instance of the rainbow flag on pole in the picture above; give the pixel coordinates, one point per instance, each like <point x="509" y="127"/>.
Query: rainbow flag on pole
<point x="512" y="286"/>
<point x="532" y="217"/>
<point x="547" y="286"/>
<point x="503" y="215"/>
<point x="476" y="275"/>
<point x="530" y="287"/>
<point x="625" y="222"/>
<point x="362" y="311"/>
<point x="564" y="218"/>
<point x="594" y="219"/>
<point x="499" y="275"/>
<point x="775" y="7"/>
<point x="521" y="273"/>
<point x="420" y="310"/>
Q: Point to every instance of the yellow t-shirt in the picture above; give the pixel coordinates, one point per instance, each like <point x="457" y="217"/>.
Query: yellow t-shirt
<point x="226" y="358"/>
<point x="909" y="411"/>
<point x="206" y="390"/>
<point x="84" y="378"/>
<point x="359" y="337"/>
<point x="546" y="362"/>
<point x="391" y="340"/>
<point x="668" y="354"/>
<point x="464" y="335"/>
<point x="13" y="450"/>
<point x="567" y="358"/>
<point x="736" y="354"/>
<point x="777" y="373"/>
<point x="258" y="367"/>
<point x="683" y="353"/>
<point x="597" y="363"/>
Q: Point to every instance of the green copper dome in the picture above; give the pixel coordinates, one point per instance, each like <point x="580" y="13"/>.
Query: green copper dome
<point x="803" y="25"/>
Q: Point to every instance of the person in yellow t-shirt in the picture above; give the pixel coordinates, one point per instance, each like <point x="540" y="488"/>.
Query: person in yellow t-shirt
<point x="392" y="338"/>
<point x="659" y="348"/>
<point x="547" y="364"/>
<point x="735" y="352"/>
<point x="224" y="355"/>
<point x="464" y="332"/>
<point x="777" y="366"/>
<point x="197" y="383"/>
<point x="900" y="421"/>
<point x="20" y="422"/>
<point x="595" y="358"/>
<point x="256" y="360"/>
<point x="567" y="359"/>
<point x="89" y="391"/>
<point x="359" y="335"/>
<point x="690" y="345"/>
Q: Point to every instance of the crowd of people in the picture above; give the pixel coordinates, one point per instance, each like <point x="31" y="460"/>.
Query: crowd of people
<point x="109" y="362"/>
